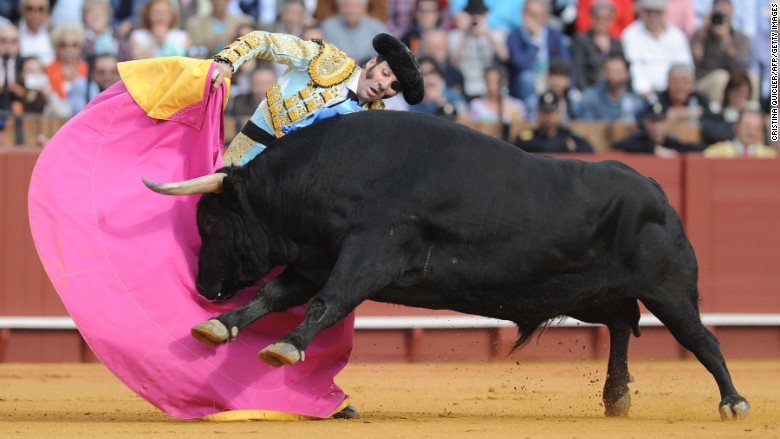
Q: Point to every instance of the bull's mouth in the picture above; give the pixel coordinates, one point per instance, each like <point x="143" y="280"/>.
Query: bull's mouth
<point x="223" y="291"/>
<point x="215" y="295"/>
<point x="220" y="297"/>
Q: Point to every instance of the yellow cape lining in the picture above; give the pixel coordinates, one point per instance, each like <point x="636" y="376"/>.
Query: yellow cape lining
<point x="164" y="86"/>
<point x="265" y="415"/>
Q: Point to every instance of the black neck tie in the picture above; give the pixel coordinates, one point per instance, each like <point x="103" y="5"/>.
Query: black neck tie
<point x="353" y="96"/>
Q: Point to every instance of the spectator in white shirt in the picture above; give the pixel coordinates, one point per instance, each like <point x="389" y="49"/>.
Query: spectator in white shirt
<point x="34" y="37"/>
<point x="651" y="46"/>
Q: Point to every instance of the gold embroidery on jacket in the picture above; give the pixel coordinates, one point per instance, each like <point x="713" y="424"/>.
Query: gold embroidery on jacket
<point x="239" y="146"/>
<point x="285" y="111"/>
<point x="331" y="66"/>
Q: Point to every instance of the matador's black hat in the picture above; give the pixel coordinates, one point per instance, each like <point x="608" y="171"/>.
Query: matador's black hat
<point x="404" y="65"/>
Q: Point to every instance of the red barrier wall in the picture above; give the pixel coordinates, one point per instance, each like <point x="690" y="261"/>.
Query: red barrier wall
<point x="732" y="217"/>
<point x="730" y="208"/>
<point x="25" y="289"/>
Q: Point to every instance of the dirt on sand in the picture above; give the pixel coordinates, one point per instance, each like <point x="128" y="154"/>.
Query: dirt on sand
<point x="444" y="400"/>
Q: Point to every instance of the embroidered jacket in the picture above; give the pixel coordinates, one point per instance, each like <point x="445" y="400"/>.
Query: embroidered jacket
<point x="316" y="73"/>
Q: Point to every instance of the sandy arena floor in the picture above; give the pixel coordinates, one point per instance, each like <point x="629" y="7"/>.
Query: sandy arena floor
<point x="488" y="400"/>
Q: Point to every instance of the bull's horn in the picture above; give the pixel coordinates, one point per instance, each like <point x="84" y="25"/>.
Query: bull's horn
<point x="199" y="185"/>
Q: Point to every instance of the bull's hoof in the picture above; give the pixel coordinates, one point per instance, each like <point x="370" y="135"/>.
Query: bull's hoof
<point x="619" y="407"/>
<point x="734" y="407"/>
<point x="280" y="354"/>
<point x="211" y="333"/>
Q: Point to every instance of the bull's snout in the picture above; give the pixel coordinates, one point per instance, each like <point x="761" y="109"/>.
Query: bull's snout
<point x="212" y="294"/>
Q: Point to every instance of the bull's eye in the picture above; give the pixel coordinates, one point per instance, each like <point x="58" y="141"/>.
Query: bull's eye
<point x="210" y="222"/>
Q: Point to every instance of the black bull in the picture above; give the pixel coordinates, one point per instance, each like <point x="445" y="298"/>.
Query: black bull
<point x="402" y="208"/>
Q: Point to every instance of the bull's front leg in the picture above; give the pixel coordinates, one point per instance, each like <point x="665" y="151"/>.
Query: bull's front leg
<point x="321" y="313"/>
<point x="355" y="277"/>
<point x="286" y="291"/>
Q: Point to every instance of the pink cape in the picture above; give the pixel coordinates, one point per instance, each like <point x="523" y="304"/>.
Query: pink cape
<point x="123" y="259"/>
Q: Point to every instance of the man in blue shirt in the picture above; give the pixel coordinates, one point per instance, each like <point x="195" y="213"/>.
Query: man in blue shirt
<point x="611" y="98"/>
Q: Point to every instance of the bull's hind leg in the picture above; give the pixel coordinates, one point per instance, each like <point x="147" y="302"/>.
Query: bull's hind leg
<point x="284" y="292"/>
<point x="680" y="314"/>
<point x="619" y="319"/>
<point x="617" y="398"/>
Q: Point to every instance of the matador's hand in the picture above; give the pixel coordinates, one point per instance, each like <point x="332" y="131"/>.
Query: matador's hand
<point x="221" y="71"/>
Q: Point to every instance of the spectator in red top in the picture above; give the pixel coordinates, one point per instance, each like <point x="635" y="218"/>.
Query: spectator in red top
<point x="624" y="15"/>
<point x="590" y="49"/>
<point x="68" y="41"/>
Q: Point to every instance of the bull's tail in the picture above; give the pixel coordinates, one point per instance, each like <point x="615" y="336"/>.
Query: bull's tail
<point x="527" y="329"/>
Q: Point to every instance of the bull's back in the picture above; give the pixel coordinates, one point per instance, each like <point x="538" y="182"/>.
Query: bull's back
<point x="455" y="185"/>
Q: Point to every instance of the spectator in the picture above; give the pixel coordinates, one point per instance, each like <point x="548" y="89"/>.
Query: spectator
<point x="651" y="46"/>
<point x="67" y="67"/>
<point x="749" y="132"/>
<point x="330" y="8"/>
<point x="10" y="97"/>
<point x="718" y="48"/>
<point x="352" y="30"/>
<point x="653" y="136"/>
<point x="34" y="39"/>
<point x="264" y="12"/>
<point x="611" y="99"/>
<point x="126" y="14"/>
<point x="34" y="85"/>
<point x="292" y="18"/>
<point x="682" y="102"/>
<point x="680" y="14"/>
<point x="559" y="82"/>
<point x="496" y="101"/>
<point x="101" y="38"/>
<point x="215" y="31"/>
<point x="473" y="47"/>
<point x="439" y="99"/>
<point x="717" y="123"/>
<point x="624" y="16"/>
<point x="104" y="74"/>
<point x="158" y="34"/>
<point x="261" y="79"/>
<point x="399" y="15"/>
<point x="591" y="48"/>
<point x="531" y="48"/>
<point x="312" y="32"/>
<point x="427" y="16"/>
<point x="501" y="15"/>
<point x="187" y="9"/>
<point x="550" y="135"/>
<point x="434" y="44"/>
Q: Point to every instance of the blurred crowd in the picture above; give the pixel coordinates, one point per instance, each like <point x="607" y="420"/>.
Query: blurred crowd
<point x="645" y="62"/>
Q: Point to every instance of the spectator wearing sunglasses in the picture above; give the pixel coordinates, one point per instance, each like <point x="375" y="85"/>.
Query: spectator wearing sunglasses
<point x="67" y="67"/>
<point x="34" y="39"/>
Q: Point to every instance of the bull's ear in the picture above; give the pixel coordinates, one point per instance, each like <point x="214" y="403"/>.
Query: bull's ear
<point x="228" y="186"/>
<point x="231" y="191"/>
